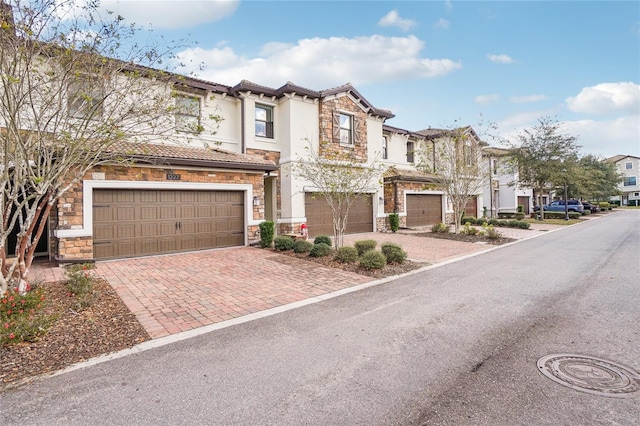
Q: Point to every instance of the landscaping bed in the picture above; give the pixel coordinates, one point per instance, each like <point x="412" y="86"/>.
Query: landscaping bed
<point x="465" y="238"/>
<point x="105" y="326"/>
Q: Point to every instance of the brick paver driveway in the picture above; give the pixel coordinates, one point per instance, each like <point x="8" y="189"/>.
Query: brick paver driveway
<point x="179" y="292"/>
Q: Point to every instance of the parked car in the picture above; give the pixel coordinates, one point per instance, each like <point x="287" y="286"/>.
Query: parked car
<point x="590" y="206"/>
<point x="559" y="206"/>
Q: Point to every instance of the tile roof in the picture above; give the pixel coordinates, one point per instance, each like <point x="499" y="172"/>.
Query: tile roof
<point x="192" y="156"/>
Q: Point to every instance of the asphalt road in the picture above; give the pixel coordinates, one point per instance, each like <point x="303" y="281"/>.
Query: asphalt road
<point x="453" y="345"/>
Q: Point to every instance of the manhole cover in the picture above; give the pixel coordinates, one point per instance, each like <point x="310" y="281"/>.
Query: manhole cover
<point x="592" y="375"/>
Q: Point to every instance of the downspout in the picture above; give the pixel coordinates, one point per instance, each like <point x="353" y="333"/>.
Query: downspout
<point x="395" y="196"/>
<point x="242" y="131"/>
<point x="491" y="189"/>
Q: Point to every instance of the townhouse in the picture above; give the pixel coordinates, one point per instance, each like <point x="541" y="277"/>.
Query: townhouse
<point x="213" y="190"/>
<point x="628" y="166"/>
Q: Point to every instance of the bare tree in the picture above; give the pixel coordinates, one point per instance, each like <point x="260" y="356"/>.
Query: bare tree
<point x="74" y="95"/>
<point x="456" y="158"/>
<point x="339" y="179"/>
<point x="545" y="158"/>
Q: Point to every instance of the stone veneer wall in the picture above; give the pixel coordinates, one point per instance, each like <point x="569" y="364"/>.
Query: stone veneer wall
<point x="69" y="208"/>
<point x="356" y="152"/>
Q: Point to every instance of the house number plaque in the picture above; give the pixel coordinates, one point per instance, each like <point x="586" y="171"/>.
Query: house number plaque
<point x="173" y="176"/>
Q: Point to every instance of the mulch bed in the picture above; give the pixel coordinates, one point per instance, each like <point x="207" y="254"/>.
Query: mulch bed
<point x="106" y="326"/>
<point x="465" y="238"/>
<point x="388" y="271"/>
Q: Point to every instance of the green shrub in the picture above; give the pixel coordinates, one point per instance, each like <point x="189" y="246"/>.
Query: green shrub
<point x="302" y="246"/>
<point x="320" y="250"/>
<point x="373" y="259"/>
<point x="493" y="222"/>
<point x="81" y="284"/>
<point x="393" y="253"/>
<point x="364" y="246"/>
<point x="347" y="254"/>
<point x="491" y="233"/>
<point x="467" y="229"/>
<point x="282" y="243"/>
<point x="470" y="219"/>
<point x="322" y="239"/>
<point x="587" y="212"/>
<point x="503" y="223"/>
<point x="394" y="221"/>
<point x="513" y="223"/>
<point x="560" y="215"/>
<point x="524" y="224"/>
<point x="519" y="216"/>
<point x="266" y="233"/>
<point x="22" y="317"/>
<point x="520" y="208"/>
<point x="604" y="205"/>
<point x="440" y="227"/>
<point x="481" y="221"/>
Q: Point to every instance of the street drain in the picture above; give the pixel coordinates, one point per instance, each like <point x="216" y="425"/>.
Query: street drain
<point x="592" y="375"/>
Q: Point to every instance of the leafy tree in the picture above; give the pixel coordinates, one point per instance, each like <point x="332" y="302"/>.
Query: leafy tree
<point x="338" y="178"/>
<point x="456" y="158"/>
<point x="596" y="179"/>
<point x="545" y="157"/>
<point x="74" y="95"/>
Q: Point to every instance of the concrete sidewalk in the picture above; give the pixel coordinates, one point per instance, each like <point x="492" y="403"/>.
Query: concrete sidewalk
<point x="174" y="293"/>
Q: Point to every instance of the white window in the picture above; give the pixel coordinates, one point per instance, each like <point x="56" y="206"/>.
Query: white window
<point x="410" y="152"/>
<point x="85" y="97"/>
<point x="346" y="129"/>
<point x="628" y="165"/>
<point x="264" y="121"/>
<point x="187" y="114"/>
<point x="384" y="148"/>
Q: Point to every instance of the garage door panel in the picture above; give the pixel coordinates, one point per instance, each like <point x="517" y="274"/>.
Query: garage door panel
<point x="123" y="197"/>
<point x="131" y="223"/>
<point x="126" y="231"/>
<point x="148" y="213"/>
<point x="103" y="232"/>
<point x="125" y="213"/>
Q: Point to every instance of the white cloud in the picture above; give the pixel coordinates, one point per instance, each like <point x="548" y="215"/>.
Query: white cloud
<point x="607" y="98"/>
<point x="442" y="23"/>
<point x="448" y="5"/>
<point x="487" y="99"/>
<point x="171" y="14"/>
<point x="320" y="63"/>
<point x="500" y="59"/>
<point x="393" y="19"/>
<point x="598" y="137"/>
<point x="528" y="99"/>
<point x="607" y="137"/>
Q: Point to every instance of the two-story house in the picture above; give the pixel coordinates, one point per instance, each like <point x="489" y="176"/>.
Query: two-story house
<point x="628" y="166"/>
<point x="502" y="192"/>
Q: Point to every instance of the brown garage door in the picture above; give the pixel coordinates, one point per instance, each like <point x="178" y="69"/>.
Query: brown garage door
<point x="471" y="209"/>
<point x="423" y="209"/>
<point x="319" y="215"/>
<point x="129" y="223"/>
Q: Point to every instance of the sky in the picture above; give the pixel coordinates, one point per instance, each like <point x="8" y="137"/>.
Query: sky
<point x="432" y="63"/>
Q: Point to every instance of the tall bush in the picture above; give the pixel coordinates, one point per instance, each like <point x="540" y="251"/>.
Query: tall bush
<point x="266" y="233"/>
<point x="394" y="221"/>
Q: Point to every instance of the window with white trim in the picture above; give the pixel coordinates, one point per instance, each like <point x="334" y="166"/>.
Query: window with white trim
<point x="187" y="114"/>
<point x="385" y="153"/>
<point x="410" y="152"/>
<point x="85" y="97"/>
<point x="628" y="165"/>
<point x="264" y="121"/>
<point x="630" y="181"/>
<point x="346" y="129"/>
